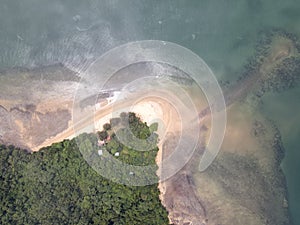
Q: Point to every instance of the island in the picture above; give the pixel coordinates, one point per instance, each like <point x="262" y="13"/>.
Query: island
<point x="244" y="185"/>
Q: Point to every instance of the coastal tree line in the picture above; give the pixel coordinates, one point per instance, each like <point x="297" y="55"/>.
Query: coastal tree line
<point x="57" y="186"/>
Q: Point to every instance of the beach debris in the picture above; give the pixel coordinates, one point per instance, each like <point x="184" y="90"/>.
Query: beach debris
<point x="100" y="152"/>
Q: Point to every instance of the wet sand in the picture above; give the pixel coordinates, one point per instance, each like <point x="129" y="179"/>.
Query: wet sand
<point x="249" y="155"/>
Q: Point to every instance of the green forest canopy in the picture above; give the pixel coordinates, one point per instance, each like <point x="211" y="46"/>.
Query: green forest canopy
<point x="57" y="186"/>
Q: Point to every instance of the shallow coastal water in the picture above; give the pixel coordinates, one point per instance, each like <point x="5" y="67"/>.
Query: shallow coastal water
<point x="223" y="33"/>
<point x="284" y="109"/>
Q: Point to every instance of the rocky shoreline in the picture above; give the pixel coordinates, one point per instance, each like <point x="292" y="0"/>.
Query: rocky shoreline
<point x="245" y="183"/>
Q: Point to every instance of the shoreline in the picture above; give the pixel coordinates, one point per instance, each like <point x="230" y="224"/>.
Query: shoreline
<point x="149" y="109"/>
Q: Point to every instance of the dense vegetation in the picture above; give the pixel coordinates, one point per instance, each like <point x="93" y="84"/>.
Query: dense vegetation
<point x="57" y="186"/>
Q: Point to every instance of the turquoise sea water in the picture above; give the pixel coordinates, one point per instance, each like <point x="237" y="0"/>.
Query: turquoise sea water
<point x="222" y="32"/>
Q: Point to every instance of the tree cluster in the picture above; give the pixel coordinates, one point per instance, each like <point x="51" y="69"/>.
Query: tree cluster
<point x="56" y="185"/>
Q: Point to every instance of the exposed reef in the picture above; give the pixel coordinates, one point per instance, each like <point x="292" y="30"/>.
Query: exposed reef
<point x="277" y="60"/>
<point x="35" y="104"/>
<point x="245" y="184"/>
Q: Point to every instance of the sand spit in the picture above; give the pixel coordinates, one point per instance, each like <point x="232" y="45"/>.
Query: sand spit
<point x="244" y="185"/>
